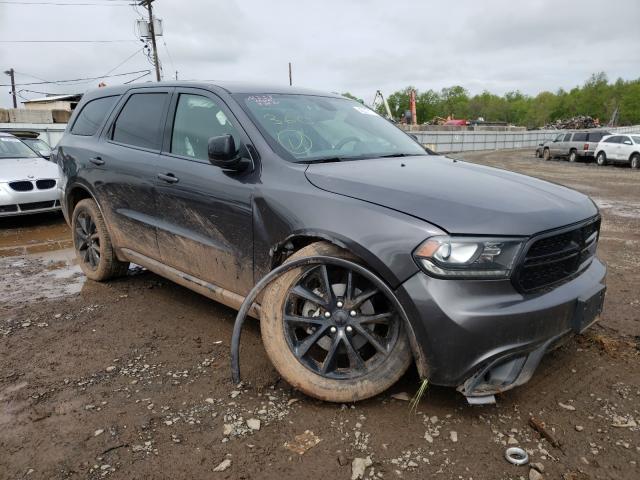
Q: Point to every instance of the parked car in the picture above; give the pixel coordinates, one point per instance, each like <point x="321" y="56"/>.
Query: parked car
<point x="28" y="182"/>
<point x="542" y="146"/>
<point x="573" y="146"/>
<point x="619" y="149"/>
<point x="214" y="186"/>
<point x="32" y="140"/>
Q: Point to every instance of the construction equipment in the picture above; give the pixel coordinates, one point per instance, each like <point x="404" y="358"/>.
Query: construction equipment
<point x="378" y="100"/>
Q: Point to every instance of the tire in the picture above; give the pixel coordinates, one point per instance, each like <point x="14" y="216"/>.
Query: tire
<point x="546" y="154"/>
<point x="573" y="156"/>
<point x="92" y="243"/>
<point x="601" y="159"/>
<point x="635" y="161"/>
<point x="329" y="387"/>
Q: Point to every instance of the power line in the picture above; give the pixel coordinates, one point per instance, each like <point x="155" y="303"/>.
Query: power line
<point x="66" y="41"/>
<point x="109" y="4"/>
<point x="124" y="61"/>
<point x="76" y="79"/>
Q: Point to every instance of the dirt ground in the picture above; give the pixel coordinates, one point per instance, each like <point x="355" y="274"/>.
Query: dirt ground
<point x="131" y="380"/>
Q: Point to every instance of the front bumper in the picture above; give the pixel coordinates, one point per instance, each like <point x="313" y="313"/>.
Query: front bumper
<point x="14" y="203"/>
<point x="485" y="337"/>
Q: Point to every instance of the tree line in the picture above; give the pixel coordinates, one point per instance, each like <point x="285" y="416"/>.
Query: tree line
<point x="597" y="97"/>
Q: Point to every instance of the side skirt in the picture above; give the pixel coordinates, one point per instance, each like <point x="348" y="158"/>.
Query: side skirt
<point x="209" y="290"/>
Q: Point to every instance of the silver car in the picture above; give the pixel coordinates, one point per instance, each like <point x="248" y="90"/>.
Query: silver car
<point x="28" y="182"/>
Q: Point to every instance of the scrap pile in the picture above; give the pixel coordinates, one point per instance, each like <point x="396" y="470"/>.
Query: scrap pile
<point x="574" y="123"/>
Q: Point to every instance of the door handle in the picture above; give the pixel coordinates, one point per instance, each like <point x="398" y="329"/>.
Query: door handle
<point x="96" y="160"/>
<point x="168" y="177"/>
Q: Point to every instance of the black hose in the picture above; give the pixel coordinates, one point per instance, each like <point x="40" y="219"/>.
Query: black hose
<point x="284" y="268"/>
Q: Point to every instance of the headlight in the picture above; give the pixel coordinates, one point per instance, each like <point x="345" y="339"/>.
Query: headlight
<point x="468" y="257"/>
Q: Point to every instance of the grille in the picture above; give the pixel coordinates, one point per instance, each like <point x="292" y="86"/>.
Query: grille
<point x="37" y="205"/>
<point x="21" y="186"/>
<point x="45" y="184"/>
<point x="555" y="259"/>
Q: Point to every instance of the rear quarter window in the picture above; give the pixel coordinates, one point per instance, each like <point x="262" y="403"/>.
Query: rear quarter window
<point x="597" y="136"/>
<point x="580" y="137"/>
<point x="92" y="115"/>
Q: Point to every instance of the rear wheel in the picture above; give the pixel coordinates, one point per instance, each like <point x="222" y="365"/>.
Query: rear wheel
<point x="635" y="161"/>
<point x="92" y="243"/>
<point x="546" y="154"/>
<point x="573" y="156"/>
<point x="331" y="333"/>
<point x="601" y="159"/>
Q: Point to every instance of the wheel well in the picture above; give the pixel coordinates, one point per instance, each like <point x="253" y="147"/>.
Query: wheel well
<point x="634" y="154"/>
<point x="288" y="247"/>
<point x="573" y="150"/>
<point x="74" y="196"/>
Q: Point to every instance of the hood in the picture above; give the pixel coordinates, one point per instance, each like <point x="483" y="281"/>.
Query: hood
<point x="456" y="196"/>
<point x="27" y="169"/>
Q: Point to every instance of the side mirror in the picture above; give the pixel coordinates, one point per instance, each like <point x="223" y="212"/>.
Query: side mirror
<point x="46" y="155"/>
<point x="628" y="142"/>
<point x="223" y="152"/>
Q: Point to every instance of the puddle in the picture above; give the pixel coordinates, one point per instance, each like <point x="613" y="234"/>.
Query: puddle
<point x="39" y="276"/>
<point x="33" y="234"/>
<point x="627" y="209"/>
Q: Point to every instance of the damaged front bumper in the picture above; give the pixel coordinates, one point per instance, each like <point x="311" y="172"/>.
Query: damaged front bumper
<point x="485" y="337"/>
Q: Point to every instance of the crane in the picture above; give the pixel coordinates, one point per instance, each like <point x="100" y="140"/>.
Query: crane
<point x="380" y="99"/>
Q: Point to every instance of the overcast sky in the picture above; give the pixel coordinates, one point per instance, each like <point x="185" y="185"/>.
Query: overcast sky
<point x="336" y="45"/>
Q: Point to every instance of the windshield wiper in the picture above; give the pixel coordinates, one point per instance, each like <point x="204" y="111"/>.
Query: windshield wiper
<point x="393" y="155"/>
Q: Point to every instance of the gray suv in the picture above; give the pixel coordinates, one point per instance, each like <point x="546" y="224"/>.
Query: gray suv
<point x="471" y="272"/>
<point x="573" y="146"/>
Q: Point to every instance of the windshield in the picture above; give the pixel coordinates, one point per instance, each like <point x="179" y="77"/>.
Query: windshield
<point x="11" y="147"/>
<point x="38" y="145"/>
<point x="305" y="128"/>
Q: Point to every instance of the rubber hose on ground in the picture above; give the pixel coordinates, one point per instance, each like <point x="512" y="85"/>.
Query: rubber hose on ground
<point x="284" y="268"/>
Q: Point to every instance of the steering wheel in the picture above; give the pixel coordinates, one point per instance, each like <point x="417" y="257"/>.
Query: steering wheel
<point x="344" y="141"/>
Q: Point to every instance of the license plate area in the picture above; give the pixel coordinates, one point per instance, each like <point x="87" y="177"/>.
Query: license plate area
<point x="588" y="308"/>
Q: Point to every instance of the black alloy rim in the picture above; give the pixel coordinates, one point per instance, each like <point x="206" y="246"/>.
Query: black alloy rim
<point x="87" y="240"/>
<point x="338" y="324"/>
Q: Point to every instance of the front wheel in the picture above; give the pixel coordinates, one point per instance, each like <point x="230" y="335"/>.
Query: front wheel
<point x="635" y="161"/>
<point x="92" y="243"/>
<point x="546" y="154"/>
<point x="331" y="333"/>
<point x="601" y="159"/>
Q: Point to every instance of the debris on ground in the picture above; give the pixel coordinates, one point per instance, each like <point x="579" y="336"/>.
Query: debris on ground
<point x="222" y="466"/>
<point x="359" y="466"/>
<point x="303" y="442"/>
<point x="544" y="432"/>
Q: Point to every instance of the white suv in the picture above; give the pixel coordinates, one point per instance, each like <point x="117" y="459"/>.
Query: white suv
<point x="619" y="148"/>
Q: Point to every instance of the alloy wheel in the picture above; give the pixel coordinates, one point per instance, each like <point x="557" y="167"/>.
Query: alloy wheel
<point x="87" y="240"/>
<point x="337" y="324"/>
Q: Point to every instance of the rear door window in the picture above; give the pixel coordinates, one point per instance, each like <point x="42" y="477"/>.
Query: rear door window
<point x="92" y="116"/>
<point x="196" y="120"/>
<point x="140" y="122"/>
<point x="615" y="139"/>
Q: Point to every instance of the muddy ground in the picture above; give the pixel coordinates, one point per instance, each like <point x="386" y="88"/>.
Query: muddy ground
<point x="130" y="379"/>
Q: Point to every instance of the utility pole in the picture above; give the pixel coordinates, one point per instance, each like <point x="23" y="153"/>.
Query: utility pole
<point x="11" y="73"/>
<point x="290" y="78"/>
<point x="152" y="32"/>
